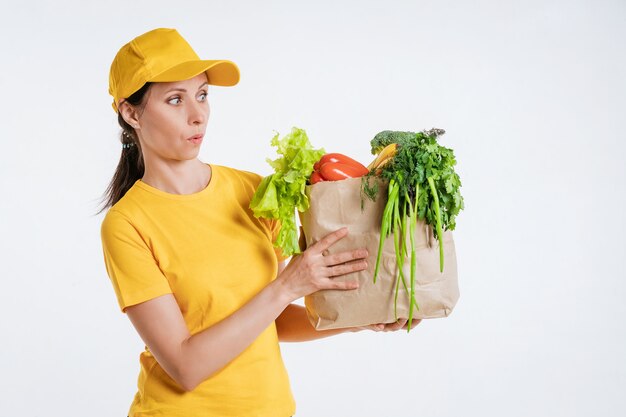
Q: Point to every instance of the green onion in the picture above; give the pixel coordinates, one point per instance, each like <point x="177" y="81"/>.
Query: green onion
<point x="433" y="190"/>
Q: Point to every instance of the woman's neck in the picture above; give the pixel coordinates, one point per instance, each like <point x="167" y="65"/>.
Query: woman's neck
<point x="178" y="177"/>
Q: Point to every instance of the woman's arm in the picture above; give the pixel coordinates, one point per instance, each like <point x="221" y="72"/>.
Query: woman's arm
<point x="293" y="325"/>
<point x="190" y="359"/>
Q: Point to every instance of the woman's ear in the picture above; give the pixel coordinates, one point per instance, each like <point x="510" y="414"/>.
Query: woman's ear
<point x="129" y="114"/>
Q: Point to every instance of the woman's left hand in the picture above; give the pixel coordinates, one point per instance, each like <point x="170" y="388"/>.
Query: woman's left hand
<point x="401" y="324"/>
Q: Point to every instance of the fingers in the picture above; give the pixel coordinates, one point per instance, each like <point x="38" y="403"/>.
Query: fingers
<point x="372" y="327"/>
<point x="414" y="323"/>
<point x="329" y="240"/>
<point x="401" y="324"/>
<point x="344" y="257"/>
<point x="347" y="268"/>
<point x="392" y="327"/>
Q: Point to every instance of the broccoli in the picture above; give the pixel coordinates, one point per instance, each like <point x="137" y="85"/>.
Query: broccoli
<point x="387" y="137"/>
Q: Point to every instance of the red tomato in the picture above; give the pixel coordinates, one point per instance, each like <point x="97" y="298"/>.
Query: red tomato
<point x="334" y="171"/>
<point x="316" y="177"/>
<point x="339" y="158"/>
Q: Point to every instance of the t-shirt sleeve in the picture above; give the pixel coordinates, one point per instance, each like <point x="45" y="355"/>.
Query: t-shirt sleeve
<point x="130" y="263"/>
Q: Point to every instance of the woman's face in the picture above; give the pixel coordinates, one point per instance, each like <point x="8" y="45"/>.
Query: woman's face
<point x="174" y="119"/>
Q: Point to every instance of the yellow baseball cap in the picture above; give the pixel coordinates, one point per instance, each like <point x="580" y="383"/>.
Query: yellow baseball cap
<point x="162" y="55"/>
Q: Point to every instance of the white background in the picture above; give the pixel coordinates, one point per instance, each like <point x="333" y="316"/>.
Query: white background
<point x="532" y="96"/>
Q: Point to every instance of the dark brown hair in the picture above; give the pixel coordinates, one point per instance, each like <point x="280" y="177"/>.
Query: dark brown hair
<point x="130" y="168"/>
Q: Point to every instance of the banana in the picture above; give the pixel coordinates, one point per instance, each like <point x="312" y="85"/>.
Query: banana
<point x="384" y="156"/>
<point x="382" y="163"/>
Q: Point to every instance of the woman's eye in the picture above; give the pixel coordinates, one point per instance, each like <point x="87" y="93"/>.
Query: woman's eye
<point x="174" y="100"/>
<point x="203" y="96"/>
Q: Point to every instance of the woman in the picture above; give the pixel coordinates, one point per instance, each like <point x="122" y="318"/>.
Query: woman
<point x="193" y="269"/>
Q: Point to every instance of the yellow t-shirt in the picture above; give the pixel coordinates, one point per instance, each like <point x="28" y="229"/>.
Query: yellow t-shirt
<point x="210" y="251"/>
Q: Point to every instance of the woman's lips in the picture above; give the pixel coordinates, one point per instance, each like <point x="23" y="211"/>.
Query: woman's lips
<point x="196" y="139"/>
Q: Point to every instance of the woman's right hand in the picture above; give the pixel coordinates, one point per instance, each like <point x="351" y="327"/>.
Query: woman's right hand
<point x="315" y="269"/>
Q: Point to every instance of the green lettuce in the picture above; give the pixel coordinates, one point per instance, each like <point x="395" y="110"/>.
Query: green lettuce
<point x="279" y="194"/>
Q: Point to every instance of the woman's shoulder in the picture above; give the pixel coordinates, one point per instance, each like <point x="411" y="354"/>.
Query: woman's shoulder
<point x="125" y="209"/>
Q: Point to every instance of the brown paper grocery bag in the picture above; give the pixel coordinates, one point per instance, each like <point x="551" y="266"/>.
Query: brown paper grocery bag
<point x="335" y="204"/>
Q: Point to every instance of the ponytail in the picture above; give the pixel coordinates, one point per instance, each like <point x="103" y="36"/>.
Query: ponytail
<point x="130" y="168"/>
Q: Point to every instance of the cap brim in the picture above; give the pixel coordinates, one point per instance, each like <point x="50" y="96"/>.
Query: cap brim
<point x="219" y="72"/>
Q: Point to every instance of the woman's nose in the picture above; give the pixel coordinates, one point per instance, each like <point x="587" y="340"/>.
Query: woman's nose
<point x="198" y="113"/>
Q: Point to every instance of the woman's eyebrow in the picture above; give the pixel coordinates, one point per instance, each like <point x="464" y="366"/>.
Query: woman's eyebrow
<point x="183" y="90"/>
